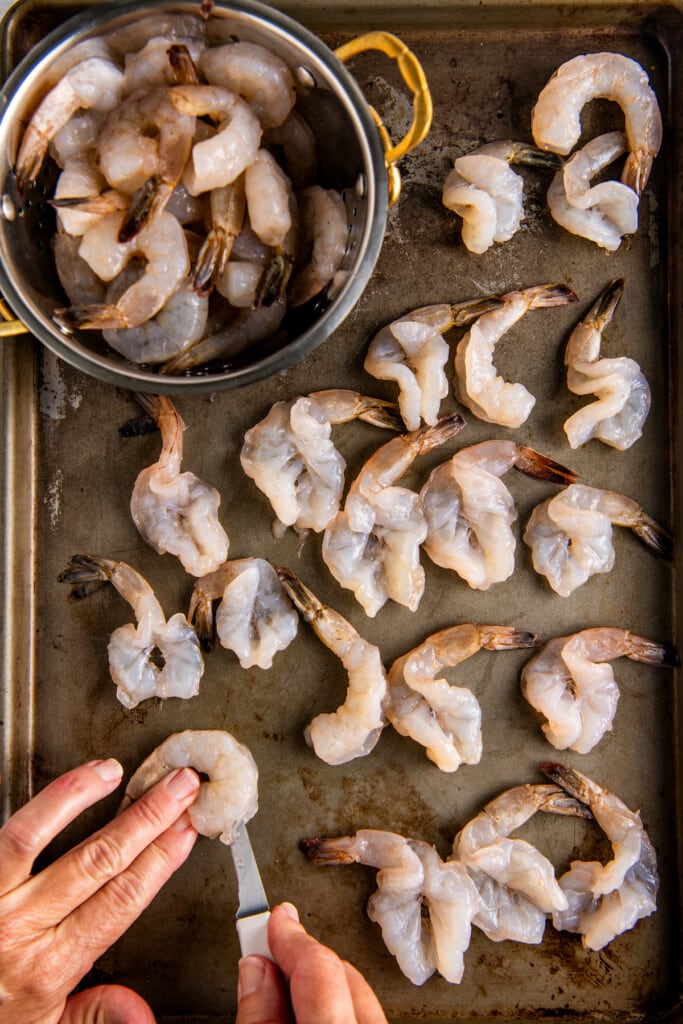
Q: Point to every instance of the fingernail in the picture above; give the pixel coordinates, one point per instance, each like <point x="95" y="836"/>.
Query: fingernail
<point x="290" y="910"/>
<point x="250" y="974"/>
<point x="109" y="770"/>
<point x="182" y="783"/>
<point x="183" y="823"/>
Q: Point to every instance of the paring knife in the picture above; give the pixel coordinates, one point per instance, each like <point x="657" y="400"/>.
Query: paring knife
<point x="253" y="911"/>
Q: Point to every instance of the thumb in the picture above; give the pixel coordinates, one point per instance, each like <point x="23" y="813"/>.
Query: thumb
<point x="107" y="1004"/>
<point x="261" y="993"/>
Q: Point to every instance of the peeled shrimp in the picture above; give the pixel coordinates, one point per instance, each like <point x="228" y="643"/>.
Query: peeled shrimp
<point x="516" y="883"/>
<point x="228" y="211"/>
<point x="572" y="684"/>
<point x="268" y="191"/>
<point x="255" y="619"/>
<point x="177" y="512"/>
<point x="155" y="62"/>
<point x="483" y="189"/>
<point x="556" y="117"/>
<point x="478" y="386"/>
<point x="325" y="230"/>
<point x="570" y="535"/>
<point x="93" y="84"/>
<point x="603" y="213"/>
<point x="230" y="797"/>
<point x="295" y="140"/>
<point x="623" y="394"/>
<point x="257" y="74"/>
<point x="606" y="899"/>
<point x="412" y="351"/>
<point x="445" y="719"/>
<point x="78" y="137"/>
<point x="470" y="511"/>
<point x="132" y="649"/>
<point x="423" y="905"/>
<point x="372" y="547"/>
<point x="355" y="727"/>
<point x="81" y="284"/>
<point x="293" y="461"/>
<point x="79" y="179"/>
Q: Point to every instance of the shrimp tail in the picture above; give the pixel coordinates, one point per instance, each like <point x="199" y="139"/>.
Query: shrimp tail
<point x="637" y="170"/>
<point x="208" y="264"/>
<point x="105" y="203"/>
<point x="303" y="599"/>
<point x="86" y="574"/>
<point x="571" y="781"/>
<point x="562" y="803"/>
<point x="324" y="852"/>
<point x="532" y="463"/>
<point x="501" y="638"/>
<point x="543" y="296"/>
<point x="31" y="156"/>
<point x="182" y="65"/>
<point x="471" y="309"/>
<point x="274" y="279"/>
<point x="381" y="414"/>
<point x="200" y="614"/>
<point x="651" y="653"/>
<point x="143" y="205"/>
<point x="89" y="317"/>
<point x="530" y="156"/>
<point x="653" y="536"/>
<point x="429" y="438"/>
<point x="605" y="306"/>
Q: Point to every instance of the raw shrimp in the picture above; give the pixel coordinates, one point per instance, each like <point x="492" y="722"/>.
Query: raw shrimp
<point x="133" y="650"/>
<point x="372" y="547"/>
<point x="230" y="797"/>
<point x="570" y="535"/>
<point x="477" y="384"/>
<point x="295" y="140"/>
<point x="93" y="84"/>
<point x="516" y="883"/>
<point x="423" y="905"/>
<point x="606" y="899"/>
<point x="572" y="683"/>
<point x="483" y="189"/>
<point x="257" y="74"/>
<point x="156" y="62"/>
<point x="355" y="727"/>
<point x="556" y="117"/>
<point x="445" y="719"/>
<point x="79" y="179"/>
<point x="177" y="512"/>
<point x="81" y="284"/>
<point x="325" y="231"/>
<point x="78" y="137"/>
<point x="623" y="394"/>
<point x="412" y="351"/>
<point x="268" y="190"/>
<point x="470" y="511"/>
<point x="292" y="460"/>
<point x="228" y="210"/>
<point x="255" y="619"/>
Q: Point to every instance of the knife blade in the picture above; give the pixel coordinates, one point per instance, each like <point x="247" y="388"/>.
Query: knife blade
<point x="253" y="910"/>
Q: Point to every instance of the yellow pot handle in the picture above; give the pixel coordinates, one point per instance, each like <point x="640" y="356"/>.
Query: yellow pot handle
<point x="9" y="325"/>
<point x="414" y="77"/>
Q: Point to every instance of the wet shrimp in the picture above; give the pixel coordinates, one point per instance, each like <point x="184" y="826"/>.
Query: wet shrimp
<point x="423" y="905"/>
<point x="556" y="117"/>
<point x="571" y="683"/>
<point x="158" y="61"/>
<point x="621" y="389"/>
<point x="325" y="232"/>
<point x="516" y="883"/>
<point x="445" y="719"/>
<point x="227" y="211"/>
<point x="291" y="458"/>
<point x="570" y="535"/>
<point x="354" y="729"/>
<point x="478" y="385"/>
<point x="470" y="511"/>
<point x="413" y="352"/>
<point x="372" y="546"/>
<point x="606" y="900"/>
<point x="254" y="619"/>
<point x="78" y="137"/>
<point x="134" y="650"/>
<point x="257" y="74"/>
<point x="79" y="281"/>
<point x="223" y="803"/>
<point x="78" y="194"/>
<point x="483" y="189"/>
<point x="177" y="512"/>
<point x="268" y="191"/>
<point x="296" y="148"/>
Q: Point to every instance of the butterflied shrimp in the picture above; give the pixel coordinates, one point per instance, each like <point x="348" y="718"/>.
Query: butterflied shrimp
<point x="255" y="619"/>
<point x="177" y="512"/>
<point x="572" y="684"/>
<point x="445" y="719"/>
<point x="413" y="352"/>
<point x="606" y="899"/>
<point x="478" y="386"/>
<point x="623" y="393"/>
<point x="291" y="458"/>
<point x="423" y="905"/>
<point x="133" y="650"/>
<point x="355" y="727"/>
<point x="223" y="803"/>
<point x="257" y="74"/>
<point x="516" y="883"/>
<point x="372" y="546"/>
<point x="570" y="535"/>
<point x="556" y="117"/>
<point x="325" y="231"/>
<point x="93" y="84"/>
<point x="483" y="189"/>
<point x="470" y="511"/>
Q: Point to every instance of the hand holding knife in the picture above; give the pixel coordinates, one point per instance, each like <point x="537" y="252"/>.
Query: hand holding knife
<point x="253" y="911"/>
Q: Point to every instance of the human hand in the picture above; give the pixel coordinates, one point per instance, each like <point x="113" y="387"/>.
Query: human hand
<point x="55" y="924"/>
<point x="309" y="982"/>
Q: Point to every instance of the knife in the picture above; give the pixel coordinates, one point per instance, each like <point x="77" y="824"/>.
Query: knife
<point x="253" y="911"/>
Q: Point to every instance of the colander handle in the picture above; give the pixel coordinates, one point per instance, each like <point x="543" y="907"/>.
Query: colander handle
<point x="414" y="77"/>
<point x="9" y="325"/>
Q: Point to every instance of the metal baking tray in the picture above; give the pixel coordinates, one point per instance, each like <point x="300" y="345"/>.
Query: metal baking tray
<point x="67" y="478"/>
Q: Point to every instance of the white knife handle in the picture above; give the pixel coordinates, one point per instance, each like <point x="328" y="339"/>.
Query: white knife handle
<point x="253" y="934"/>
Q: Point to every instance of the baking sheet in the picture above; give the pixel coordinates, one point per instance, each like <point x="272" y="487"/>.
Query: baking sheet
<point x="67" y="478"/>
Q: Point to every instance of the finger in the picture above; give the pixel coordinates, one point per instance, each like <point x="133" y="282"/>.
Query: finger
<point x="107" y="1004"/>
<point x="318" y="988"/>
<point x="77" y="875"/>
<point x="261" y="993"/>
<point x="365" y="1002"/>
<point x="29" y="831"/>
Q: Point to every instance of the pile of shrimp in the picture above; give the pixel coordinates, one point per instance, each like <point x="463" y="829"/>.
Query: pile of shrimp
<point x="190" y="217"/>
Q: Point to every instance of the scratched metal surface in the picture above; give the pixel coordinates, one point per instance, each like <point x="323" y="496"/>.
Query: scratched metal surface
<point x="67" y="478"/>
